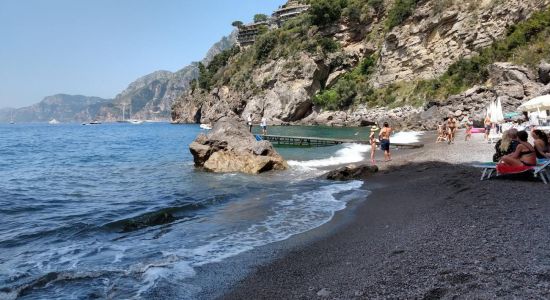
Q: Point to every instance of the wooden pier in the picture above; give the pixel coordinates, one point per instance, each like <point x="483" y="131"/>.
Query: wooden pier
<point x="301" y="141"/>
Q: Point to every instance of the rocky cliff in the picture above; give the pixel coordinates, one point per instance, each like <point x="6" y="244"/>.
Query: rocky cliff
<point x="152" y="96"/>
<point x="375" y="63"/>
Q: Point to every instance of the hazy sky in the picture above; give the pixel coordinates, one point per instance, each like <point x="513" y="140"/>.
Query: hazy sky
<point x="97" y="47"/>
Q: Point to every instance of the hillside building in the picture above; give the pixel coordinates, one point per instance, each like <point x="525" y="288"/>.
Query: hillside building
<point x="247" y="33"/>
<point x="290" y="10"/>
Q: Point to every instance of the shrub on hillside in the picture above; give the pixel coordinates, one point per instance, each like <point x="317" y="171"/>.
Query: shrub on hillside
<point x="400" y="11"/>
<point x="325" y="12"/>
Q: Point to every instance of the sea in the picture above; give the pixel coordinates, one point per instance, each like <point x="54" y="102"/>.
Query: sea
<point x="118" y="211"/>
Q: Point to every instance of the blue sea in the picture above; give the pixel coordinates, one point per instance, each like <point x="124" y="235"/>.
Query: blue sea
<point x="118" y="211"/>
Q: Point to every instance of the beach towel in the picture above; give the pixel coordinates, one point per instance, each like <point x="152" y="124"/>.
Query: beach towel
<point x="503" y="169"/>
<point x="258" y="137"/>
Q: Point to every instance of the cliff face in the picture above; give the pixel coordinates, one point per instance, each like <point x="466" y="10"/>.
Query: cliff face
<point x="152" y="96"/>
<point x="436" y="35"/>
<point x="431" y="40"/>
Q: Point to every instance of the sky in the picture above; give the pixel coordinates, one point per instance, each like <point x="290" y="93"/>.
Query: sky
<point x="98" y="47"/>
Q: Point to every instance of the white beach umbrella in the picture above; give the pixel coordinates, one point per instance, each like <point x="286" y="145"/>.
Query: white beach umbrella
<point x="499" y="113"/>
<point x="536" y="104"/>
<point x="494" y="113"/>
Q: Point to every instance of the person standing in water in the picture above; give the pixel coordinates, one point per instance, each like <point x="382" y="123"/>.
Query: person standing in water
<point x="249" y="122"/>
<point x="384" y="138"/>
<point x="372" y="141"/>
<point x="263" y="123"/>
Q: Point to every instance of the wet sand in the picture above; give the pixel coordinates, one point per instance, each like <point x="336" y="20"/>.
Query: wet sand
<point x="430" y="229"/>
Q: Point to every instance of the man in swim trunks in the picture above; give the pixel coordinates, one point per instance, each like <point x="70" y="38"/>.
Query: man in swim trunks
<point x="384" y="138"/>
<point x="451" y="125"/>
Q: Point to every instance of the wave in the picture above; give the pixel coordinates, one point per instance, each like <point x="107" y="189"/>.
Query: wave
<point x="351" y="153"/>
<point x="161" y="216"/>
<point x="406" y="137"/>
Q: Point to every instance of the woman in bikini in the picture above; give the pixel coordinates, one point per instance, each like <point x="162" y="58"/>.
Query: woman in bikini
<point x="541" y="146"/>
<point x="372" y="141"/>
<point x="523" y="156"/>
<point x="451" y="125"/>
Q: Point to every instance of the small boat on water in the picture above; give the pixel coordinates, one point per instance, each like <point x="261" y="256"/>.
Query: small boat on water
<point x="135" y="122"/>
<point x="53" y="122"/>
<point x="206" y="126"/>
<point x="92" y="123"/>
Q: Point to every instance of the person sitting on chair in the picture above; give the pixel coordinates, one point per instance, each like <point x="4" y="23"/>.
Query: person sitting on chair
<point x="506" y="145"/>
<point x="523" y="156"/>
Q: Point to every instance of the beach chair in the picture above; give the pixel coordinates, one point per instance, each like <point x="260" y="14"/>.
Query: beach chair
<point x="539" y="171"/>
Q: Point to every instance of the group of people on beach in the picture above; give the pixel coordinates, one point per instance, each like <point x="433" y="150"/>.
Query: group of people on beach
<point x="446" y="130"/>
<point x="515" y="150"/>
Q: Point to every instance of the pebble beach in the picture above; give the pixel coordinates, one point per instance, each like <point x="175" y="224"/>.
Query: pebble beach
<point x="430" y="229"/>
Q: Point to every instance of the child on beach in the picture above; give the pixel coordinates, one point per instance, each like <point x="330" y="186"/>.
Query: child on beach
<point x="372" y="141"/>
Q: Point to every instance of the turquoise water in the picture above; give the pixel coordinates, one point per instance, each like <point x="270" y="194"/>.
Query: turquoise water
<point x="118" y="211"/>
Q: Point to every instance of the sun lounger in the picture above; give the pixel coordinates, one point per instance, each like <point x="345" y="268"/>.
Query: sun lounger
<point x="539" y="171"/>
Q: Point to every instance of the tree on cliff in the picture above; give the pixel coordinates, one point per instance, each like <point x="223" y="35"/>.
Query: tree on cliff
<point x="260" y="18"/>
<point x="237" y="24"/>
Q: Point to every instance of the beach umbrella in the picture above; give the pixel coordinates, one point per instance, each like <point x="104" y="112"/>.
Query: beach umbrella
<point x="494" y="113"/>
<point x="498" y="111"/>
<point x="536" y="104"/>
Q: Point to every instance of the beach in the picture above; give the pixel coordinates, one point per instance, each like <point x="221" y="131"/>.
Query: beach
<point x="429" y="229"/>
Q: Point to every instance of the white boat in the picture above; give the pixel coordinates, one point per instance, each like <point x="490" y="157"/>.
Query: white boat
<point x="11" y="120"/>
<point x="135" y="122"/>
<point x="53" y="122"/>
<point x="206" y="126"/>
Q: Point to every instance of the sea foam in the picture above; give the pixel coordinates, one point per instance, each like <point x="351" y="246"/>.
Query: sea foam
<point x="353" y="153"/>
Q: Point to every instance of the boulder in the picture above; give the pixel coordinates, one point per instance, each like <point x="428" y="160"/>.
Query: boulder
<point x="229" y="147"/>
<point x="544" y="72"/>
<point x="351" y="172"/>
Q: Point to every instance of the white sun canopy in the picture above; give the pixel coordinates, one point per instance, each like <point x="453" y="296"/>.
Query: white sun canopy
<point x="536" y="104"/>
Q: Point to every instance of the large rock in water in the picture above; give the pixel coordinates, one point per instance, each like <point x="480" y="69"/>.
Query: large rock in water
<point x="230" y="147"/>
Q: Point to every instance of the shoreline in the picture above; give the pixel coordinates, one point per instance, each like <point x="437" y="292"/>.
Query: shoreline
<point x="440" y="233"/>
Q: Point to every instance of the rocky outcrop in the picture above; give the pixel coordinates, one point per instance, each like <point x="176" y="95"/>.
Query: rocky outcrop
<point x="286" y="94"/>
<point x="229" y="147"/>
<point x="512" y="84"/>
<point x="436" y="36"/>
<point x="351" y="172"/>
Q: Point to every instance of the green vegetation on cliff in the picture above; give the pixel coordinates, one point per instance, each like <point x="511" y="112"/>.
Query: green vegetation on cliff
<point x="525" y="44"/>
